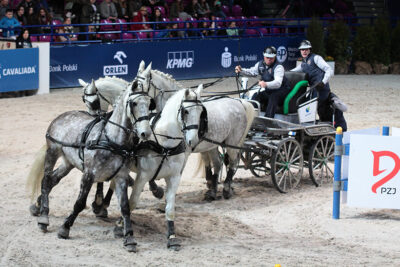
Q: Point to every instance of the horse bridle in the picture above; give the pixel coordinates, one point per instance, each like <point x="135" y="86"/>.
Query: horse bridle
<point x="202" y="126"/>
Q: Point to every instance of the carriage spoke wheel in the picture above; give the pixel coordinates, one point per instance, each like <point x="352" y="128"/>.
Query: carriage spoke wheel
<point x="259" y="165"/>
<point x="321" y="160"/>
<point x="287" y="165"/>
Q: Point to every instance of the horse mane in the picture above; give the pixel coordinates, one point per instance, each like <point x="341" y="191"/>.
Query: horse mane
<point x="173" y="84"/>
<point x="113" y="78"/>
<point x="171" y="108"/>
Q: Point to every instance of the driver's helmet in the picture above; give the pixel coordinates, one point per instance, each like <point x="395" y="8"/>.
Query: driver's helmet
<point x="269" y="51"/>
<point x="305" y="44"/>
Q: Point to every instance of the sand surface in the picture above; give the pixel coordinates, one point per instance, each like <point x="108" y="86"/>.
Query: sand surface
<point x="257" y="227"/>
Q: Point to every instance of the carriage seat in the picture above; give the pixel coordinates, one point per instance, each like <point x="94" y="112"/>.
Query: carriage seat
<point x="298" y="82"/>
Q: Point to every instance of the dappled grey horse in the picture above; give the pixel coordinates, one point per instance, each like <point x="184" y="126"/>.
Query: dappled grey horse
<point x="102" y="151"/>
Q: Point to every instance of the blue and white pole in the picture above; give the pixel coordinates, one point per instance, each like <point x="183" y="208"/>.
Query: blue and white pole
<point x="337" y="172"/>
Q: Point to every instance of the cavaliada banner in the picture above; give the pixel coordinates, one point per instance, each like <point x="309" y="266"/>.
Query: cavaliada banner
<point x="19" y="69"/>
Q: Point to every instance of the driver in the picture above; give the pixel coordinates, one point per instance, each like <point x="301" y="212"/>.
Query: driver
<point x="273" y="83"/>
<point x="319" y="73"/>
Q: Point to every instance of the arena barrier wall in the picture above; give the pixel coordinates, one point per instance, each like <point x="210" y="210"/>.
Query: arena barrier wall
<point x="19" y="69"/>
<point x="186" y="59"/>
<point x="367" y="173"/>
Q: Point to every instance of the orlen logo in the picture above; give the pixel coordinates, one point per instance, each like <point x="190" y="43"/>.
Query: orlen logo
<point x="180" y="59"/>
<point x="117" y="69"/>
<point x="376" y="171"/>
<point x="281" y="54"/>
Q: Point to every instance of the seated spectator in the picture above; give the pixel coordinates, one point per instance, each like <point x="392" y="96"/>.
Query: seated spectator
<point x="134" y="7"/>
<point x="203" y="9"/>
<point x="27" y="4"/>
<point x="32" y="19"/>
<point x="122" y="9"/>
<point x="4" y="5"/>
<point x="8" y="24"/>
<point x="157" y="17"/>
<point x="173" y="33"/>
<point x="217" y="10"/>
<point x="215" y="29"/>
<point x="69" y="30"/>
<point x="178" y="11"/>
<point x="191" y="31"/>
<point x="153" y="3"/>
<point x="24" y="39"/>
<point x="108" y="10"/>
<point x="141" y="17"/>
<point x="20" y="16"/>
<point x="204" y="28"/>
<point x="90" y="14"/>
<point x="44" y="18"/>
<point x="192" y="8"/>
<point x="232" y="30"/>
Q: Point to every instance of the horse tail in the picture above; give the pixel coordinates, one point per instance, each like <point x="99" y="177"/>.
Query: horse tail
<point x="35" y="176"/>
<point x="250" y="113"/>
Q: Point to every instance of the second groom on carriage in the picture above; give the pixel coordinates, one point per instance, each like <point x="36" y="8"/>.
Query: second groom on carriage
<point x="273" y="83"/>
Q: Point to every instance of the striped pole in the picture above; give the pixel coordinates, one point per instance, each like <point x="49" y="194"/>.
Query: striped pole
<point x="336" y="174"/>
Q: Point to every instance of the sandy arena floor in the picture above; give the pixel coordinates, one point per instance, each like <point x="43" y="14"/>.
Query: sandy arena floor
<point x="257" y="227"/>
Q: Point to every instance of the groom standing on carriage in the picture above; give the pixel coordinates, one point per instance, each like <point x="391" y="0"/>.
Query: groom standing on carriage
<point x="319" y="74"/>
<point x="273" y="83"/>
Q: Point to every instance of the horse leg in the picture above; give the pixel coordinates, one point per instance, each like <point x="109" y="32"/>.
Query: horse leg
<point x="172" y="186"/>
<point x="122" y="194"/>
<point x="157" y="191"/>
<point x="86" y="184"/>
<point x="51" y="179"/>
<point x="211" y="193"/>
<point x="98" y="203"/>
<point x="233" y="159"/>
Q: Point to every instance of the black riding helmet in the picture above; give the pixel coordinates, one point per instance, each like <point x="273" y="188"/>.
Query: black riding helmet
<point x="269" y="51"/>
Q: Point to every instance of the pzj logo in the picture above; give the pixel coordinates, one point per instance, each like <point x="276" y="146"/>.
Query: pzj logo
<point x="376" y="171"/>
<point x="180" y="59"/>
<point x="281" y="54"/>
<point x="226" y="58"/>
<point x="117" y="69"/>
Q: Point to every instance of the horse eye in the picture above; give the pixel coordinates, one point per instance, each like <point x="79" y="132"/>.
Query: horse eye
<point x="133" y="104"/>
<point x="186" y="112"/>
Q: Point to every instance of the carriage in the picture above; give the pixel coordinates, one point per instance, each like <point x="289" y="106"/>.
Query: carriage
<point x="283" y="146"/>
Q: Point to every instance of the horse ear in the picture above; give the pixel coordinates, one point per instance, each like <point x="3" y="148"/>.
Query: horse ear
<point x="148" y="69"/>
<point x="141" y="67"/>
<point x="82" y="82"/>
<point x="94" y="88"/>
<point x="199" y="90"/>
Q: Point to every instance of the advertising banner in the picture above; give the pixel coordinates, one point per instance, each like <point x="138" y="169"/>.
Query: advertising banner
<point x="374" y="177"/>
<point x="19" y="69"/>
<point x="187" y="59"/>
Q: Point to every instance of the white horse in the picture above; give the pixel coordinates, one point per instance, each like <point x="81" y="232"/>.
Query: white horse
<point x="167" y="154"/>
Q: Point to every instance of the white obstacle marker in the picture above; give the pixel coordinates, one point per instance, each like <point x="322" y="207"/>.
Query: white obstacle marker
<point x="374" y="171"/>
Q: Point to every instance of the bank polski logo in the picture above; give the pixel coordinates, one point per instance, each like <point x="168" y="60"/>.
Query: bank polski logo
<point x="281" y="54"/>
<point x="117" y="69"/>
<point x="226" y="58"/>
<point x="180" y="60"/>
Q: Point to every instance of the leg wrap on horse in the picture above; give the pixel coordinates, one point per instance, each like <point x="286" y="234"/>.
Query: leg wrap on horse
<point x="228" y="190"/>
<point x="173" y="242"/>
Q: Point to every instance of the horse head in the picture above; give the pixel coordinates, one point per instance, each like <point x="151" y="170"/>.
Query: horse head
<point x="139" y="104"/>
<point x="143" y="78"/>
<point x="90" y="96"/>
<point x="193" y="116"/>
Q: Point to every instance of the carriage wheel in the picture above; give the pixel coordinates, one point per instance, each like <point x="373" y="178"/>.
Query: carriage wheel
<point x="259" y="165"/>
<point x="321" y="160"/>
<point x="287" y="165"/>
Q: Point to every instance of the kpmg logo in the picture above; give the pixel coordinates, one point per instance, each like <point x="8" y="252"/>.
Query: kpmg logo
<point x="117" y="69"/>
<point x="226" y="58"/>
<point x="281" y="54"/>
<point x="180" y="60"/>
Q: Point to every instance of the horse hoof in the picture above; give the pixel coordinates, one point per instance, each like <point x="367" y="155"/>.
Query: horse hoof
<point x="210" y="195"/>
<point x="43" y="227"/>
<point x="96" y="208"/>
<point x="118" y="232"/>
<point x="63" y="232"/>
<point x="158" y="193"/>
<point x="130" y="248"/>
<point x="227" y="193"/>
<point x="174" y="244"/>
<point x="102" y="214"/>
<point x="34" y="210"/>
